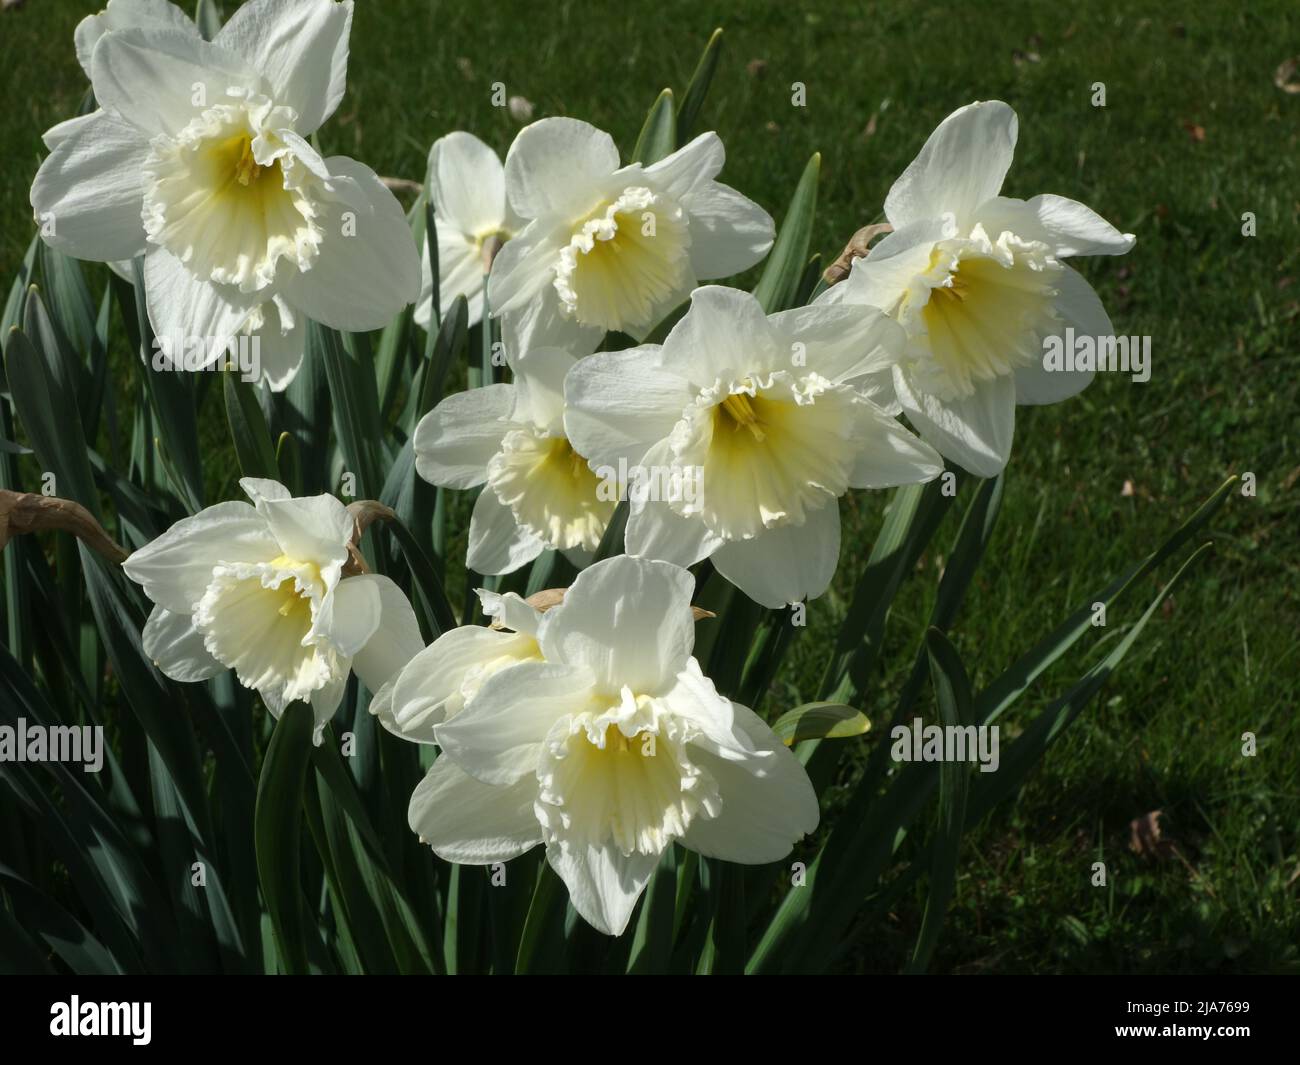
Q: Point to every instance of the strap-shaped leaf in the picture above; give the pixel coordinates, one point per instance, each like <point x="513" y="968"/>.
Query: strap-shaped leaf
<point x="248" y="428"/>
<point x="777" y="288"/>
<point x="953" y="699"/>
<point x="858" y="850"/>
<point x="820" y="721"/>
<point x="658" y="136"/>
<point x="277" y="832"/>
<point x="693" y="99"/>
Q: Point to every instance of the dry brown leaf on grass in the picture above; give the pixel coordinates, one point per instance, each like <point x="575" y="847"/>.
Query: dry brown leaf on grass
<point x="1145" y="837"/>
<point x="1284" y="77"/>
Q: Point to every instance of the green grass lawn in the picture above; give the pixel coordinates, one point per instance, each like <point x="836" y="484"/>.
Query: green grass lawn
<point x="1194" y="133"/>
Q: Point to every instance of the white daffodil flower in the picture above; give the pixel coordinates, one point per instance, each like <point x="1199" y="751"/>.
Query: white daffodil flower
<point x="467" y="187"/>
<point x="261" y="590"/>
<point x="614" y="248"/>
<point x="537" y="491"/>
<point x="198" y="161"/>
<point x="437" y="683"/>
<point x="774" y="417"/>
<point x="978" y="281"/>
<point x="609" y="750"/>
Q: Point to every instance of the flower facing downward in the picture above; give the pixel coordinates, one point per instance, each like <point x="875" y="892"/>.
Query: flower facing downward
<point x="467" y="187"/>
<point x="261" y="590"/>
<point x="198" y="161"/>
<point x="775" y="412"/>
<point x="615" y="248"/>
<point x="537" y="491"/>
<point x="609" y="749"/>
<point x="977" y="280"/>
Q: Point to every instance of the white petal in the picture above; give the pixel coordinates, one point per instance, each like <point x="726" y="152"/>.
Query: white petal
<point x="960" y="167"/>
<point x="690" y="168"/>
<point x="510" y="611"/>
<point x="368" y="268"/>
<point x="604" y="884"/>
<point x="695" y="698"/>
<point x="175" y="646"/>
<point x="497" y="737"/>
<point x="523" y="272"/>
<point x="87" y="195"/>
<point x="879" y="388"/>
<point x="381" y="706"/>
<point x="455" y="441"/>
<point x="620" y="403"/>
<point x="159" y="80"/>
<point x="497" y="542"/>
<point x="61" y="131"/>
<point x="175" y="569"/>
<point x="975" y="432"/>
<point x="281" y="355"/>
<point x="184" y="310"/>
<point x="889" y="455"/>
<point x="310" y="529"/>
<point x="123" y="15"/>
<point x="627" y="620"/>
<point x="539" y="388"/>
<point x="725" y="335"/>
<point x="349" y="614"/>
<point x="729" y="231"/>
<point x="768" y="803"/>
<point x="325" y="702"/>
<point x="431" y="687"/>
<point x="840" y="343"/>
<point x="787" y="564"/>
<point x="472" y="823"/>
<point x="1066" y="226"/>
<point x="397" y="639"/>
<point x="555" y="165"/>
<point x="259" y="489"/>
<point x="300" y="47"/>
<point x="655" y="530"/>
<point x="1080" y="309"/>
<point x="541" y="323"/>
<point x="467" y="184"/>
<point x="888" y="271"/>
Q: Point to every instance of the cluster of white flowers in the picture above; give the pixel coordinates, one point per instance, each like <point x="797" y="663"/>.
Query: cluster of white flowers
<point x="589" y="728"/>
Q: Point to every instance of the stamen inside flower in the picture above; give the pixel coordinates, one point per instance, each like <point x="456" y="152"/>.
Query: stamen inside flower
<point x="988" y="308"/>
<point x="212" y="204"/>
<point x="626" y="261"/>
<point x="638" y="791"/>
<point x="737" y="412"/>
<point x="246" y="169"/>
<point x="770" y="452"/>
<point x="256" y="617"/>
<point x="550" y="489"/>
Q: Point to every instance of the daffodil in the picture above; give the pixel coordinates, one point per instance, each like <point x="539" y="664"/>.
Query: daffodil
<point x="609" y="749"/>
<point x="467" y="187"/>
<point x="978" y="281"/>
<point x="198" y="160"/>
<point x="614" y="248"/>
<point x="262" y="590"/>
<point x="537" y="491"/>
<point x="779" y="415"/>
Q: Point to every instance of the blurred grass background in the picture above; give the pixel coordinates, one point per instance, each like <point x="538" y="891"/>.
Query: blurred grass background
<point x="1194" y="133"/>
